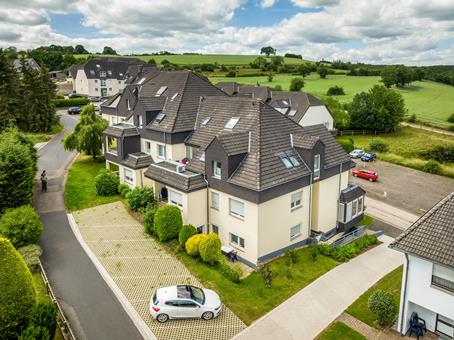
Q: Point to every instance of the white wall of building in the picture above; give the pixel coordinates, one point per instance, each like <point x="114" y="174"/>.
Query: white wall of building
<point x="175" y="152"/>
<point x="317" y="115"/>
<point x="92" y="87"/>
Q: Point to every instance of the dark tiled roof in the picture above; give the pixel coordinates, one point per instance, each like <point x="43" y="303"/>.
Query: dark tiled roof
<point x="30" y="62"/>
<point x="305" y="141"/>
<point x="135" y="73"/>
<point x="138" y="160"/>
<point x="229" y="87"/>
<point x="165" y="172"/>
<point x="432" y="236"/>
<point x="73" y="70"/>
<point x="153" y="103"/>
<point x="121" y="130"/>
<point x="351" y="192"/>
<point x="235" y="143"/>
<point x="118" y="67"/>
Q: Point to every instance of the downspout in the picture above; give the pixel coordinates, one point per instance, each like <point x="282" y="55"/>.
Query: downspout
<point x="404" y="284"/>
<point x="310" y="207"/>
<point x="208" y="204"/>
<point x="338" y="196"/>
<point x="165" y="147"/>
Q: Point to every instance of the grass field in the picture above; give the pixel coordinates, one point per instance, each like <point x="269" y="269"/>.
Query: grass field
<point x="340" y="331"/>
<point x="40" y="137"/>
<point x="390" y="283"/>
<point x="80" y="192"/>
<point x="431" y="102"/>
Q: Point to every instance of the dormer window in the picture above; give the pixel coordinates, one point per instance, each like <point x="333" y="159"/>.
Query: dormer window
<point x="161" y="91"/>
<point x="102" y="73"/>
<point x="316" y="167"/>
<point x="92" y="72"/>
<point x="128" y="104"/>
<point x="206" y="121"/>
<point x="231" y="123"/>
<point x="109" y="72"/>
<point x="216" y="169"/>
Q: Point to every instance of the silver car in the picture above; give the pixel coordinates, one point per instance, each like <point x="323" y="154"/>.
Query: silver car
<point x="184" y="302"/>
<point x="357" y="153"/>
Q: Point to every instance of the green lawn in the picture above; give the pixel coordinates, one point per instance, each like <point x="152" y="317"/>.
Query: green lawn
<point x="390" y="283"/>
<point x="39" y="137"/>
<point x="250" y="300"/>
<point x="367" y="220"/>
<point x="340" y="331"/>
<point x="405" y="145"/>
<point x="80" y="192"/>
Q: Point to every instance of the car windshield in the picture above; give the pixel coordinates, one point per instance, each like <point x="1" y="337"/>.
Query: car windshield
<point x="197" y="294"/>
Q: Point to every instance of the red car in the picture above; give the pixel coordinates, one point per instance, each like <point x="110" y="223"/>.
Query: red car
<point x="371" y="175"/>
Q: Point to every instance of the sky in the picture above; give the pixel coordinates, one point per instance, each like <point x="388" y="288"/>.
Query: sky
<point x="412" y="32"/>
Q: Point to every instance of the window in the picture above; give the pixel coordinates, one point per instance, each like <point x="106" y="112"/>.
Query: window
<point x="296" y="200"/>
<point x="216" y="169"/>
<point x="290" y="160"/>
<point x="161" y="91"/>
<point x="202" y="157"/>
<point x="354" y="209"/>
<point x="112" y="146"/>
<point x="103" y="82"/>
<point x="96" y="81"/>
<point x="92" y="72"/>
<point x="295" y="231"/>
<point x="128" y="176"/>
<point x="96" y="89"/>
<point x="215" y="229"/>
<point x="140" y="121"/>
<point x="175" y="198"/>
<point x="443" y="277"/>
<point x="236" y="208"/>
<point x="159" y="118"/>
<point x="109" y="72"/>
<point x="287" y="163"/>
<point x="141" y="80"/>
<point x="187" y="304"/>
<point x="147" y="147"/>
<point x="316" y="167"/>
<point x="206" y="121"/>
<point x="360" y="204"/>
<point x="110" y="89"/>
<point x="341" y="212"/>
<point x="189" y="152"/>
<point x="349" y="212"/>
<point x="326" y="125"/>
<point x="231" y="123"/>
<point x="292" y="113"/>
<point x="102" y="73"/>
<point x="161" y="151"/>
<point x="174" y="96"/>
<point x="236" y="240"/>
<point x="295" y="162"/>
<point x="215" y="200"/>
<point x="128" y="104"/>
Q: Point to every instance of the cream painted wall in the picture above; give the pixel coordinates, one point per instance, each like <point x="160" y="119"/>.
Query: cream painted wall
<point x="317" y="115"/>
<point x="137" y="175"/>
<point x="174" y="152"/>
<point x="81" y="83"/>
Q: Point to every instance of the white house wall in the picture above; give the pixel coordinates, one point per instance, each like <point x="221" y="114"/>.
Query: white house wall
<point x="317" y="115"/>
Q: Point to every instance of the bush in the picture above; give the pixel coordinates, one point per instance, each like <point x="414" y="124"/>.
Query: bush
<point x="268" y="274"/>
<point x="186" y="232"/>
<point x="296" y="84"/>
<point x="451" y="118"/>
<point x="123" y="189"/>
<point x="231" y="74"/>
<point x="192" y="244"/>
<point x="44" y="315"/>
<point x="140" y="198"/>
<point x="31" y="254"/>
<point x="106" y="183"/>
<point x="432" y="167"/>
<point x="347" y="145"/>
<point x="382" y="304"/>
<point x="440" y="153"/>
<point x="412" y="118"/>
<point x="167" y="222"/>
<point x="277" y="88"/>
<point x="148" y="219"/>
<point x="451" y="127"/>
<point x="21" y="226"/>
<point x="314" y="251"/>
<point x="231" y="273"/>
<point x="291" y="257"/>
<point x="335" y="91"/>
<point x="378" y="145"/>
<point x="348" y="251"/>
<point x="210" y="248"/>
<point x="17" y="293"/>
<point x="33" y="332"/>
<point x="71" y="102"/>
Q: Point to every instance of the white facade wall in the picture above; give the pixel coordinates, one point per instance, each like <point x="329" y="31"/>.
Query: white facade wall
<point x="422" y="297"/>
<point x="136" y="174"/>
<point x="174" y="152"/>
<point x="92" y="87"/>
<point x="80" y="84"/>
<point x="317" y="115"/>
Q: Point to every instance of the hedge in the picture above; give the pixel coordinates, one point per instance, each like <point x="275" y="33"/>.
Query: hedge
<point x="33" y="332"/>
<point x="17" y="293"/>
<point x="106" y="183"/>
<point x="192" y="244"/>
<point x="432" y="167"/>
<point x="377" y="144"/>
<point x="124" y="190"/>
<point x="31" y="254"/>
<point x="210" y="248"/>
<point x="186" y="232"/>
<point x="71" y="102"/>
<point x="21" y="226"/>
<point x="44" y="315"/>
<point x="140" y="198"/>
<point x="348" y="251"/>
<point x="148" y="219"/>
<point x="231" y="273"/>
<point x="347" y="145"/>
<point x="167" y="222"/>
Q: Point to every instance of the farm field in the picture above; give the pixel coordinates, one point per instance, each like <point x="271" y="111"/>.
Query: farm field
<point x="431" y="102"/>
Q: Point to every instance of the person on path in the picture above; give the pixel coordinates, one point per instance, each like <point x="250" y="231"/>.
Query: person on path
<point x="44" y="181"/>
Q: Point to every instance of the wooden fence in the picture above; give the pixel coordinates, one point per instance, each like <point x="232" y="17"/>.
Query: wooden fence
<point x="359" y="132"/>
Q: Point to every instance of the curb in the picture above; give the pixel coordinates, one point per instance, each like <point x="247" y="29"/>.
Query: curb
<point x="129" y="309"/>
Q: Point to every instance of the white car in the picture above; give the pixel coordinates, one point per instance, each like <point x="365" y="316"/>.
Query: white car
<point x="357" y="153"/>
<point x="183" y="302"/>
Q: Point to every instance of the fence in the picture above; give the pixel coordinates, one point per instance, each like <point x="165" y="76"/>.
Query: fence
<point x="65" y="328"/>
<point x="349" y="237"/>
<point x="360" y="132"/>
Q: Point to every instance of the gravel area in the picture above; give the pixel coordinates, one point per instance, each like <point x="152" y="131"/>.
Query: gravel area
<point x="138" y="264"/>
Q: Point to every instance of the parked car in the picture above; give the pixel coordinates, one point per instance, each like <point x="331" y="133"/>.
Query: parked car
<point x="184" y="301"/>
<point x="94" y="99"/>
<point x="75" y="95"/>
<point x="368" y="157"/>
<point x="357" y="153"/>
<point x="370" y="175"/>
<point x="74" y="110"/>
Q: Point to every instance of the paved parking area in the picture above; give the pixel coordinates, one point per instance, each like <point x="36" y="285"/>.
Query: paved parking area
<point x="138" y="264"/>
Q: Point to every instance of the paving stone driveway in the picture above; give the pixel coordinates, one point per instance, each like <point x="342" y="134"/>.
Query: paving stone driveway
<point x="138" y="264"/>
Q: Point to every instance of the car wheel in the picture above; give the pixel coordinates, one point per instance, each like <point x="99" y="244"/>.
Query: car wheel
<point x="162" y="318"/>
<point x="370" y="179"/>
<point x="207" y="316"/>
<point x="355" y="175"/>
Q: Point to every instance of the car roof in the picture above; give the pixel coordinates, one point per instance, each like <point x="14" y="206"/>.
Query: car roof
<point x="368" y="171"/>
<point x="167" y="293"/>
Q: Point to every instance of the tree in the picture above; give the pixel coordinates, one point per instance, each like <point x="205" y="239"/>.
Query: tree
<point x="186" y="232"/>
<point x="388" y="76"/>
<point x="87" y="135"/>
<point x="267" y="50"/>
<point x="167" y="222"/>
<point x="304" y="69"/>
<point x="21" y="226"/>
<point x="259" y="62"/>
<point x="322" y="71"/>
<point x="108" y="50"/>
<point x="270" y="77"/>
<point x="296" y="84"/>
<point x="10" y="100"/>
<point x="382" y="304"/>
<point x="277" y="60"/>
<point x="340" y="115"/>
<point x="18" y="295"/>
<point x="79" y="49"/>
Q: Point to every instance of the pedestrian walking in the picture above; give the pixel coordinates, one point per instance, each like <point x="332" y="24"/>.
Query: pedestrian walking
<point x="44" y="181"/>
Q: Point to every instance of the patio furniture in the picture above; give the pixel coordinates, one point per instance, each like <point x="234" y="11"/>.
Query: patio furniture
<point x="417" y="320"/>
<point x="417" y="325"/>
<point x="230" y="253"/>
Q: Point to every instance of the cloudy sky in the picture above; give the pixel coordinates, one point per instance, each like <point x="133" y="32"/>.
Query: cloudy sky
<point x="418" y="32"/>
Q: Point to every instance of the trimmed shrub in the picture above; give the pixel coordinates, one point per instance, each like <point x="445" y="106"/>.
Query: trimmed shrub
<point x="140" y="198"/>
<point x="71" y="102"/>
<point x="192" y="244"/>
<point x="231" y="74"/>
<point x="186" y="232"/>
<point x="277" y="88"/>
<point x="432" y="167"/>
<point x="124" y="189"/>
<point x="440" y="153"/>
<point x="148" y="219"/>
<point x="31" y="254"/>
<point x="451" y="118"/>
<point x="382" y="304"/>
<point x="378" y="145"/>
<point x="33" y="332"/>
<point x="167" y="222"/>
<point x="231" y="273"/>
<point x="210" y="248"/>
<point x="335" y="91"/>
<point x="21" y="226"/>
<point x="348" y="251"/>
<point x="17" y="293"/>
<point x="44" y="315"/>
<point x="347" y="145"/>
<point x="296" y="84"/>
<point x="106" y="183"/>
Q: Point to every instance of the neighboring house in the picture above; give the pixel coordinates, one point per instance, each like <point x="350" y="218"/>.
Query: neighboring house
<point x="300" y="107"/>
<point x="30" y="62"/>
<point x="233" y="165"/>
<point x="428" y="278"/>
<point x="103" y="77"/>
<point x="57" y="75"/>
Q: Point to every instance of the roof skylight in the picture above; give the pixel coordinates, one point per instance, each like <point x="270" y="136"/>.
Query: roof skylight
<point x="159" y="118"/>
<point x="161" y="91"/>
<point x="141" y="80"/>
<point x="292" y="113"/>
<point x="174" y="96"/>
<point x="294" y="160"/>
<point x="290" y="160"/>
<point x="287" y="163"/>
<point x="232" y="122"/>
<point x="206" y="121"/>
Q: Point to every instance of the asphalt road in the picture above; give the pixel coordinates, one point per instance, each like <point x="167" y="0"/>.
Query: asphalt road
<point x="90" y="306"/>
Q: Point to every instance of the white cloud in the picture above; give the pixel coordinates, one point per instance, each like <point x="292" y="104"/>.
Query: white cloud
<point x="314" y="3"/>
<point x="267" y="3"/>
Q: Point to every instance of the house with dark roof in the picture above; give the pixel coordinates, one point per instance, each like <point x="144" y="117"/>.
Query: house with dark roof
<point x="233" y="165"/>
<point x="29" y="62"/>
<point x="106" y="77"/>
<point x="428" y="276"/>
<point x="300" y="107"/>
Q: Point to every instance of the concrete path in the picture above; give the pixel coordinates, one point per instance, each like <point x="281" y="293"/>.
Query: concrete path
<point x="427" y="128"/>
<point x="88" y="303"/>
<point x="311" y="310"/>
<point x="394" y="216"/>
